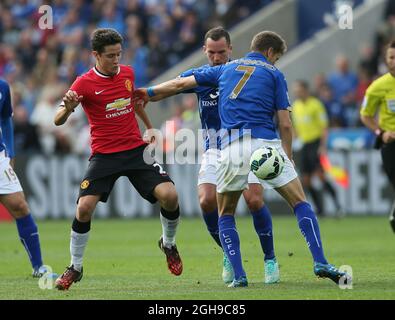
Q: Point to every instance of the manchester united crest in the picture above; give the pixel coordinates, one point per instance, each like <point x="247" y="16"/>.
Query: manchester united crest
<point x="128" y="85"/>
<point x="84" y="184"/>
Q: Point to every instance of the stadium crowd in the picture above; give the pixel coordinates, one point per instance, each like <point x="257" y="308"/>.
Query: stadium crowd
<point x="41" y="64"/>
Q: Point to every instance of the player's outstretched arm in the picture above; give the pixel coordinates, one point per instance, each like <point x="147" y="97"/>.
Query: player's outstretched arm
<point x="70" y="102"/>
<point x="159" y="97"/>
<point x="165" y="89"/>
<point x="172" y="87"/>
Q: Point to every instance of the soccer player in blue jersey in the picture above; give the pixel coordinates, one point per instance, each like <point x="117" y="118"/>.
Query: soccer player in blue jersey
<point x="217" y="47"/>
<point x="11" y="194"/>
<point x="251" y="92"/>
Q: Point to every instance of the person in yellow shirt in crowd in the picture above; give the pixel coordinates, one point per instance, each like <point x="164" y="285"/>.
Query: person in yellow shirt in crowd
<point x="380" y="98"/>
<point x="311" y="127"/>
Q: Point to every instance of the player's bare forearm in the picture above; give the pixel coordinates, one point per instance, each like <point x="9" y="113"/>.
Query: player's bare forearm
<point x="165" y="89"/>
<point x="286" y="140"/>
<point x="70" y="101"/>
<point x="370" y="122"/>
<point x="286" y="131"/>
<point x="159" y="97"/>
<point x="172" y="87"/>
<point x="61" y="116"/>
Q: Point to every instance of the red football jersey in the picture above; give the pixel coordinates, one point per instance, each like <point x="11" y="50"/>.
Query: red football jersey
<point x="107" y="104"/>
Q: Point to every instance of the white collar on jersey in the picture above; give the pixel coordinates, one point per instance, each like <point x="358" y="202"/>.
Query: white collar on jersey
<point x="102" y="74"/>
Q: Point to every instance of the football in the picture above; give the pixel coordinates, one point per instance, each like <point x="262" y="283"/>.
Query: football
<point x="266" y="163"/>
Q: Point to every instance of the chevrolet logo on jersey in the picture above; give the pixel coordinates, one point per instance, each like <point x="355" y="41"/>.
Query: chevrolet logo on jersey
<point x="118" y="104"/>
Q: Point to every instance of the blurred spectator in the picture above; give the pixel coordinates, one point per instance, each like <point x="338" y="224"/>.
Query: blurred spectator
<point x="319" y="81"/>
<point x="343" y="83"/>
<point x="59" y="9"/>
<point x="10" y="33"/>
<point x="112" y="18"/>
<point x="26" y="137"/>
<point x="67" y="69"/>
<point x="44" y="112"/>
<point x="157" y="56"/>
<point x="368" y="61"/>
<point x="333" y="108"/>
<point x="190" y="32"/>
<point x="71" y="29"/>
<point x="45" y="64"/>
<point x="364" y="80"/>
<point x="42" y="118"/>
<point x="139" y="61"/>
<point x="85" y="61"/>
<point x="26" y="52"/>
<point x="29" y="95"/>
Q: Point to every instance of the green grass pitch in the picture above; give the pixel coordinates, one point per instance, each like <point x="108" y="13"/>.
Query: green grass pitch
<point x="122" y="261"/>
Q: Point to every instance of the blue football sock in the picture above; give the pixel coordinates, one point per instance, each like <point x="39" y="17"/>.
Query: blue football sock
<point x="308" y="225"/>
<point x="263" y="227"/>
<point x="211" y="220"/>
<point x="231" y="243"/>
<point x="28" y="233"/>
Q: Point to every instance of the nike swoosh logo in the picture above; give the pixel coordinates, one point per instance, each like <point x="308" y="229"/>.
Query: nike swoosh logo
<point x="214" y="96"/>
<point x="98" y="92"/>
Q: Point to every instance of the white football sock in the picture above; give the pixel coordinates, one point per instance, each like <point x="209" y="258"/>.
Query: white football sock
<point x="78" y="242"/>
<point x="169" y="229"/>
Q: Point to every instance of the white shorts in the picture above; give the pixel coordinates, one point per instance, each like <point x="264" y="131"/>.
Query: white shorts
<point x="233" y="168"/>
<point x="208" y="168"/>
<point x="9" y="182"/>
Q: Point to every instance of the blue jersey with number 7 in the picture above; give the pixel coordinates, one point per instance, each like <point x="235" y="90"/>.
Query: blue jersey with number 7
<point x="251" y="90"/>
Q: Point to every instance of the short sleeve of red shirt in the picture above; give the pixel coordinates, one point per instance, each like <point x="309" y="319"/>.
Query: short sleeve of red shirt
<point x="78" y="87"/>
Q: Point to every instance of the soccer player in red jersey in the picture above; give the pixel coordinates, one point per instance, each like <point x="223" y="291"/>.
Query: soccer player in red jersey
<point x="105" y="93"/>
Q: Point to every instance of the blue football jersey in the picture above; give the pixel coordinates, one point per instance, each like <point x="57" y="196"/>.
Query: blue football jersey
<point x="208" y="109"/>
<point x="5" y="114"/>
<point x="251" y="90"/>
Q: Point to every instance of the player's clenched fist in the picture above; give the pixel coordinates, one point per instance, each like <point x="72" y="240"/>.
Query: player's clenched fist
<point x="71" y="100"/>
<point x="140" y="95"/>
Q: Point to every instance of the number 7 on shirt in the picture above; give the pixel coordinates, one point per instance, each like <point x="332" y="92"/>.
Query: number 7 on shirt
<point x="248" y="71"/>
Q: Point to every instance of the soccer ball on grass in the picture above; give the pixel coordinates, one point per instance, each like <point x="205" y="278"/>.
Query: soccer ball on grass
<point x="266" y="163"/>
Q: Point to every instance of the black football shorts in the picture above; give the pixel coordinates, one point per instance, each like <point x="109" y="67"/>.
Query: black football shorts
<point x="309" y="158"/>
<point x="105" y="169"/>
